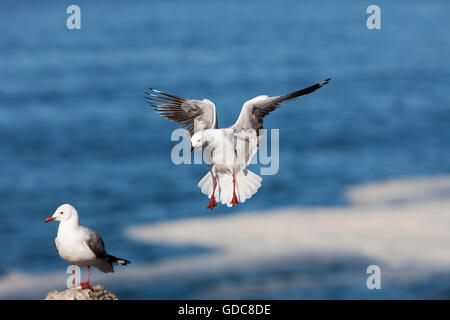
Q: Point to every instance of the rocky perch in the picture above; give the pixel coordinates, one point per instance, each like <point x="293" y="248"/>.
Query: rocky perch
<point x="96" y="293"/>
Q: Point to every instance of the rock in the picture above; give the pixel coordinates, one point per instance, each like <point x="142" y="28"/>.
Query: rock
<point x="97" y="293"/>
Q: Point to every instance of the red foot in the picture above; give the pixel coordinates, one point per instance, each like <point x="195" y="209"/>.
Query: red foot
<point x="234" y="200"/>
<point x="212" y="203"/>
<point x="85" y="285"/>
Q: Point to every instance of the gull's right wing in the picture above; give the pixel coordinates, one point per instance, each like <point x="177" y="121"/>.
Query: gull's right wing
<point x="254" y="110"/>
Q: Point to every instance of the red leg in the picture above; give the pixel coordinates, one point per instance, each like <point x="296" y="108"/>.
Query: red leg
<point x="235" y="199"/>
<point x="85" y="285"/>
<point x="73" y="276"/>
<point x="212" y="202"/>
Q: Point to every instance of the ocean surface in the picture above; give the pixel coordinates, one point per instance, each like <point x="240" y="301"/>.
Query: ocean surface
<point x="74" y="126"/>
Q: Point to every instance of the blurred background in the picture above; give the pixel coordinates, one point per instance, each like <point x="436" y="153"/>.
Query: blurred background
<point x="74" y="128"/>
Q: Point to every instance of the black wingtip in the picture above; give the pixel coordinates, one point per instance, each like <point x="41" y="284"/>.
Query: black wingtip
<point x="153" y="90"/>
<point x="324" y="82"/>
<point x="123" y="262"/>
<point x="120" y="261"/>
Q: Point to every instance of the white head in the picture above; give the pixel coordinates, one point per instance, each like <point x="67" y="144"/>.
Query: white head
<point x="197" y="140"/>
<point x="64" y="213"/>
<point x="201" y="138"/>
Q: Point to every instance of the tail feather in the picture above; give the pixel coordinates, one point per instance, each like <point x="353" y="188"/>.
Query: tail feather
<point x="225" y="186"/>
<point x="247" y="184"/>
<point x="207" y="184"/>
<point x="243" y="190"/>
<point x="120" y="261"/>
<point x="248" y="181"/>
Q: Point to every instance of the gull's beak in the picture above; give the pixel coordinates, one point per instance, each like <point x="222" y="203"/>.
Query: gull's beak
<point x="49" y="219"/>
<point x="192" y="148"/>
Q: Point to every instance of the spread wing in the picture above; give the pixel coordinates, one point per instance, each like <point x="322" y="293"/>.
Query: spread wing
<point x="247" y="135"/>
<point x="195" y="115"/>
<point x="254" y="110"/>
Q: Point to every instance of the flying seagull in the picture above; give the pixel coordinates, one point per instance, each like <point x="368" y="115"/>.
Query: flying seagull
<point x="227" y="150"/>
<point x="79" y="245"/>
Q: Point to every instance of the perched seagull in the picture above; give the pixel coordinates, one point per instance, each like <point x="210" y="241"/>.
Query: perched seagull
<point x="79" y="245"/>
<point x="227" y="150"/>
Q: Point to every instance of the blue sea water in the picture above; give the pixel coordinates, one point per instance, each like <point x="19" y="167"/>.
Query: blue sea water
<point x="74" y="126"/>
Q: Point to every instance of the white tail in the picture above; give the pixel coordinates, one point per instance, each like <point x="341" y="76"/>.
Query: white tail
<point x="247" y="184"/>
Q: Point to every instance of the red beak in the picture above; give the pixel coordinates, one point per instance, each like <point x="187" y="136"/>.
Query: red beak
<point x="49" y="219"/>
<point x="192" y="148"/>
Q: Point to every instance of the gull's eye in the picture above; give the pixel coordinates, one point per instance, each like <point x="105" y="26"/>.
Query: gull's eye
<point x="61" y="212"/>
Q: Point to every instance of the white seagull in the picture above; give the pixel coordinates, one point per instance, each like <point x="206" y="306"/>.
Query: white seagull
<point x="228" y="151"/>
<point x="79" y="245"/>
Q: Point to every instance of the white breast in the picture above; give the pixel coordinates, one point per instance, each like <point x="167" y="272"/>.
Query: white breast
<point x="73" y="248"/>
<point x="223" y="148"/>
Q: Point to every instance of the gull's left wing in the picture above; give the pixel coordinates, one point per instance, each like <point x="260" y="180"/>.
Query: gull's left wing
<point x="195" y="115"/>
<point x="95" y="244"/>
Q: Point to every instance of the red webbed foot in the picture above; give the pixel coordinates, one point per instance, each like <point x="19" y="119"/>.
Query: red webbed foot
<point x="85" y="285"/>
<point x="212" y="203"/>
<point x="234" y="200"/>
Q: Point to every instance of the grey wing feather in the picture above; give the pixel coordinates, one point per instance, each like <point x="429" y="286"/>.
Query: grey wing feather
<point x="95" y="243"/>
<point x="246" y="129"/>
<point x="254" y="110"/>
<point x="195" y="115"/>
